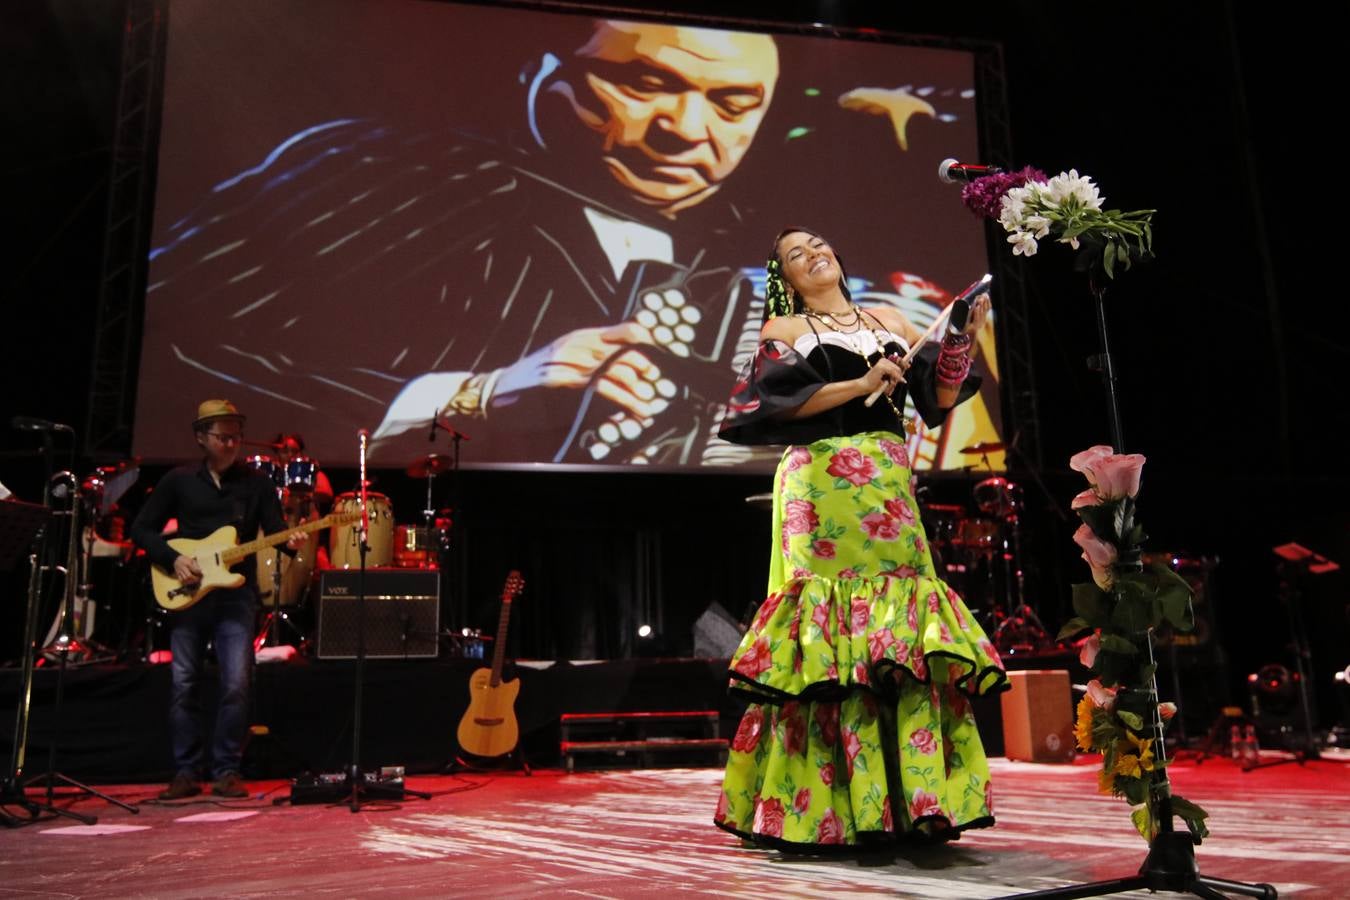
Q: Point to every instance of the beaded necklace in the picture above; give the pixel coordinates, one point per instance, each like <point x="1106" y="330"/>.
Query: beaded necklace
<point x="828" y="320"/>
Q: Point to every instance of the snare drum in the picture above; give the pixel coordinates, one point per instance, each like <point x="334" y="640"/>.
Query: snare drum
<point x="344" y="545"/>
<point x="300" y="475"/>
<point x="976" y="534"/>
<point x="417" y="547"/>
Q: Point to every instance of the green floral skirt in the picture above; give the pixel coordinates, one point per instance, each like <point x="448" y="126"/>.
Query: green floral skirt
<point x="858" y="666"/>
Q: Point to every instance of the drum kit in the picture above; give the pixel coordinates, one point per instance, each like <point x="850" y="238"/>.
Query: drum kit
<point x="285" y="582"/>
<point x="976" y="548"/>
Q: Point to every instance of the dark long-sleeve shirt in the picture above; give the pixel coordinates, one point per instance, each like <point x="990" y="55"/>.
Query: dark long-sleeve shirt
<point x="245" y="499"/>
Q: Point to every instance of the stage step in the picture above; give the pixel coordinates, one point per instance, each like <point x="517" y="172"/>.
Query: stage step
<point x="641" y="736"/>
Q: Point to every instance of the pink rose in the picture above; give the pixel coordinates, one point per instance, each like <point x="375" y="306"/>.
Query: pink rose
<point x="794" y="729"/>
<point x="823" y="549"/>
<point x="1102" y="697"/>
<point x="990" y="650"/>
<point x="923" y="741"/>
<point x="802" y="801"/>
<point x="896" y="452"/>
<point x="901" y="510"/>
<point x="959" y="615"/>
<point x="989" y="797"/>
<point x="1098" y="554"/>
<point x="1166" y="711"/>
<point x="755" y="660"/>
<point x="827" y="774"/>
<point x="878" y="641"/>
<point x="919" y="545"/>
<point x="831" y="829"/>
<point x="924" y="804"/>
<point x="795" y="629"/>
<point x="747" y="735"/>
<point x="944" y="632"/>
<point x="852" y="746"/>
<point x="769" y="817"/>
<point x="800" y="573"/>
<point x="934" y="602"/>
<point x="918" y="664"/>
<point x="880" y="526"/>
<point x="827" y="720"/>
<point x="1118" y="476"/>
<point x="912" y="614"/>
<point x="1113" y="475"/>
<point x="902" y="571"/>
<point x="1086" y="460"/>
<point x="850" y="465"/>
<point x="799" y="517"/>
<point x="848" y="573"/>
<point x="796" y="458"/>
<point x="820" y="617"/>
<point x="902" y="653"/>
<point x="722" y="803"/>
<point x="766" y="610"/>
<point x="1086" y="498"/>
<point x="1091" y="646"/>
<point x="832" y="673"/>
<point x="860" y="674"/>
<point x="861" y="613"/>
<point x="887" y="819"/>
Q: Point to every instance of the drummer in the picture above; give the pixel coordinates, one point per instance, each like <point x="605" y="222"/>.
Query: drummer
<point x="292" y="446"/>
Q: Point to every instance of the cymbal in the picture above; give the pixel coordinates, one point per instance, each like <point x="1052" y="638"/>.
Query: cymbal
<point x="429" y="465"/>
<point x="983" y="447"/>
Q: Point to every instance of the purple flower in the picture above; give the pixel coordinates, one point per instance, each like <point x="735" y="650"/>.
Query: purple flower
<point x="983" y="196"/>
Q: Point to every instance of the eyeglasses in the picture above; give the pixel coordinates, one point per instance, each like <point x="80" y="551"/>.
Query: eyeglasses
<point x="226" y="438"/>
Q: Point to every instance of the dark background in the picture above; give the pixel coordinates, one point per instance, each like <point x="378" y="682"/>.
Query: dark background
<point x="1230" y="347"/>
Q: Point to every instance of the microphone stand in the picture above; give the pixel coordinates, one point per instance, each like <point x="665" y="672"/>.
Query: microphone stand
<point x="1170" y="864"/>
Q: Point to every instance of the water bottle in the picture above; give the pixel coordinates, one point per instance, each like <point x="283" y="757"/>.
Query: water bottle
<point x="1251" y="750"/>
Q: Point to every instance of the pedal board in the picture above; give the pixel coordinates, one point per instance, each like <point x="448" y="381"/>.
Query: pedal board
<point x="333" y="787"/>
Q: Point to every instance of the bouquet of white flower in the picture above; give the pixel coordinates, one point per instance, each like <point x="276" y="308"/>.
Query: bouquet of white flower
<point x="1068" y="208"/>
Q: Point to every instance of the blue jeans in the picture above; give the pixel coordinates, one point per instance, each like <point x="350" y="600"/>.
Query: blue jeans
<point x="225" y="617"/>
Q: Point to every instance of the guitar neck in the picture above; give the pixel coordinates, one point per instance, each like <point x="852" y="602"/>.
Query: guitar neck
<point x="499" y="651"/>
<point x="239" y="551"/>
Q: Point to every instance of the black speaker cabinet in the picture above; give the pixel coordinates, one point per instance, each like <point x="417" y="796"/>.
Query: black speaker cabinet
<point x="402" y="614"/>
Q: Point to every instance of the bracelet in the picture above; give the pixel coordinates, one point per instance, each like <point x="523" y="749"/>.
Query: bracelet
<point x="953" y="363"/>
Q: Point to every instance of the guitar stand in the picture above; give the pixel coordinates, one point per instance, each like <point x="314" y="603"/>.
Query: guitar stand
<point x="516" y="763"/>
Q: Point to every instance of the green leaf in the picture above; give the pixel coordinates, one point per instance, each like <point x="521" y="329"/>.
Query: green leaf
<point x="1131" y="719"/>
<point x="1109" y="259"/>
<point x="1194" y="816"/>
<point x="1101" y="519"/>
<point x="1092" y="604"/>
<point x="1143" y="821"/>
<point x="1117" y="644"/>
<point x="1072" y="627"/>
<point x="1134" y="789"/>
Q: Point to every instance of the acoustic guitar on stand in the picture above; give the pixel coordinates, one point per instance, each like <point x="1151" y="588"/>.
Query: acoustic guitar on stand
<point x="214" y="555"/>
<point x="489" y="725"/>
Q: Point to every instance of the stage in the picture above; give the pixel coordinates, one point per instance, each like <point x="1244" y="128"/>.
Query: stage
<point x="648" y="832"/>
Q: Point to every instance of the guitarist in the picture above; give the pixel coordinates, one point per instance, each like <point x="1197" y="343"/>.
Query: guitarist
<point x="203" y="497"/>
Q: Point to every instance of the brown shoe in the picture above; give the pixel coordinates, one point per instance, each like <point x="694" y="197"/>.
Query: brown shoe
<point x="230" y="785"/>
<point x="182" y="786"/>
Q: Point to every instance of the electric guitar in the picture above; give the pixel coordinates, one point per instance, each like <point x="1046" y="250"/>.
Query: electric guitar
<point x="215" y="554"/>
<point x="489" y="725"/>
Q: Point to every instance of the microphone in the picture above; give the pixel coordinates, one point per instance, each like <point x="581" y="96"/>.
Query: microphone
<point x="28" y="423"/>
<point x="952" y="172"/>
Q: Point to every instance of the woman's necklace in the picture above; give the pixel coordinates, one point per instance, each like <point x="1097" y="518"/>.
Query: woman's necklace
<point x="828" y="320"/>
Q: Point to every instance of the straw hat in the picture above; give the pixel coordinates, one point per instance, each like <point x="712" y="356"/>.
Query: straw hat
<point x="211" y="410"/>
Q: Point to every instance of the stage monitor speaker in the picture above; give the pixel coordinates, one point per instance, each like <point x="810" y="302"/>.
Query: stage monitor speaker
<point x="716" y="633"/>
<point x="1038" y="716"/>
<point x="402" y="614"/>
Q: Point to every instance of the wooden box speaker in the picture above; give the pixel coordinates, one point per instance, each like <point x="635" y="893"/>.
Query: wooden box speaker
<point x="401" y="618"/>
<point x="1038" y="716"/>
